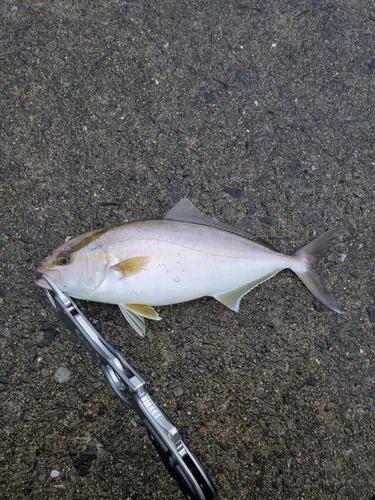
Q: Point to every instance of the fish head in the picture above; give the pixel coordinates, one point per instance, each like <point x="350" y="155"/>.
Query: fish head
<point x="78" y="267"/>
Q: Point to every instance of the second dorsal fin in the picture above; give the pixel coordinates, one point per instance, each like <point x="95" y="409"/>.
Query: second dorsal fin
<point x="185" y="211"/>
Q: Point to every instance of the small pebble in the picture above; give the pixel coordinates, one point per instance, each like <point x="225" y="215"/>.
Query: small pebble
<point x="343" y="257"/>
<point x="51" y="46"/>
<point x="214" y="328"/>
<point x="178" y="391"/>
<point x="150" y="336"/>
<point x="247" y="222"/>
<point x="259" y="139"/>
<point x="7" y="333"/>
<point x="360" y="194"/>
<point x="42" y="477"/>
<point x="178" y="73"/>
<point x="348" y="452"/>
<point x="14" y="10"/>
<point x="55" y="473"/>
<point x="62" y="374"/>
<point x="289" y="463"/>
<point x="370" y="312"/>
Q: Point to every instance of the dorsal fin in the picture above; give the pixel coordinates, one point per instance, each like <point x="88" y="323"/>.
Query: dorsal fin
<point x="185" y="211"/>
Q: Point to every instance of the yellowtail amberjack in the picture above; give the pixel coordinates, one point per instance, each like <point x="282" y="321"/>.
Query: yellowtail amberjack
<point x="184" y="256"/>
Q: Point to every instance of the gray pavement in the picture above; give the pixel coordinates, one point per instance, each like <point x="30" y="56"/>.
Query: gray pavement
<point x="262" y="112"/>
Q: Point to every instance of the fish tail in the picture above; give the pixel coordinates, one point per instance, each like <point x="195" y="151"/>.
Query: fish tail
<point x="308" y="255"/>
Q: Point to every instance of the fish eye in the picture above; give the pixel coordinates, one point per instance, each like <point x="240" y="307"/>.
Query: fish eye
<point x="63" y="259"/>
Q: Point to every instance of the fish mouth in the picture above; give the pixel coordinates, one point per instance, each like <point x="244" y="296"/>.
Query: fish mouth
<point x="41" y="281"/>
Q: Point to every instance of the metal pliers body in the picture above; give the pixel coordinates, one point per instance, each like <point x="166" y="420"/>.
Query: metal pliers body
<point x="129" y="386"/>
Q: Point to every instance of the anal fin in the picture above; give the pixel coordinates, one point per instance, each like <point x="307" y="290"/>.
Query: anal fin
<point x="232" y="298"/>
<point x="135" y="315"/>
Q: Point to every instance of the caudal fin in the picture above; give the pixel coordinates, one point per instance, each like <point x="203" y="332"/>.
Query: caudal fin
<point x="310" y="253"/>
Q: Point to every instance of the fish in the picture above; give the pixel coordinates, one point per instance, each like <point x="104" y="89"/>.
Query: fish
<point x="183" y="256"/>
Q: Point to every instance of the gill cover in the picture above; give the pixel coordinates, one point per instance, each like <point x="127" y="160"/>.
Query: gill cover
<point x="89" y="265"/>
<point x="78" y="266"/>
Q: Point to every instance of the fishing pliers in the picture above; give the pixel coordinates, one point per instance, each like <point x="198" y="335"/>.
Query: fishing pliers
<point x="129" y="386"/>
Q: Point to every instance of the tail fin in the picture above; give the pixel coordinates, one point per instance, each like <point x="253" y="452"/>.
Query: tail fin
<point x="310" y="254"/>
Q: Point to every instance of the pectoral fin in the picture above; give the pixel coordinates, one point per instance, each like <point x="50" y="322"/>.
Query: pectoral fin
<point x="135" y="314"/>
<point x="232" y="298"/>
<point x="130" y="267"/>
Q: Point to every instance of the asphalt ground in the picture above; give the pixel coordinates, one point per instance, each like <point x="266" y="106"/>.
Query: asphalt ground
<point x="262" y="112"/>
